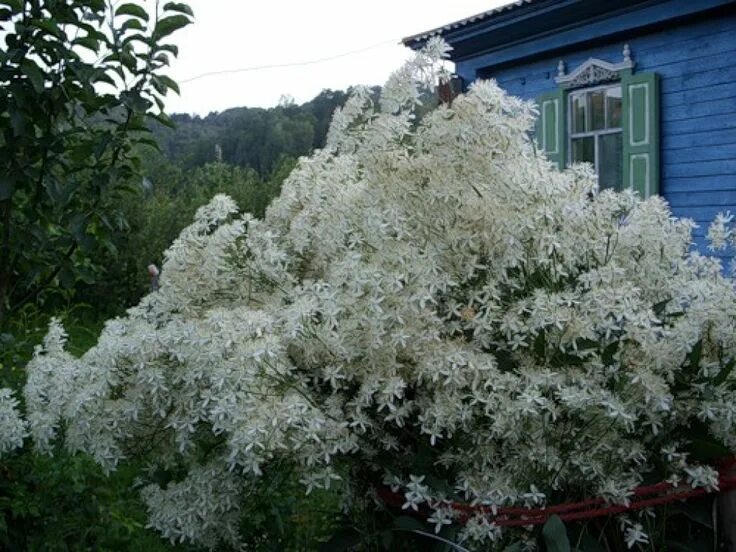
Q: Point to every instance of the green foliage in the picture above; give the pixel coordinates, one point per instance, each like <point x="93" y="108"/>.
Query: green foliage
<point x="251" y="137"/>
<point x="26" y="330"/>
<point x="156" y="214"/>
<point x="66" y="502"/>
<point x="278" y="516"/>
<point x="78" y="82"/>
<point x="555" y="535"/>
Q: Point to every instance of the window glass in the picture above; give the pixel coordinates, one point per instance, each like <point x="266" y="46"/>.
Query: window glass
<point x="578" y="113"/>
<point x="610" y="155"/>
<point x="583" y="150"/>
<point x="613" y="107"/>
<point x="595" y="132"/>
<point x="597" y="110"/>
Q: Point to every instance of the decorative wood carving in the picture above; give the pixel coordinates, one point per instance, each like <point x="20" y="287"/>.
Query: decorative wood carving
<point x="594" y="71"/>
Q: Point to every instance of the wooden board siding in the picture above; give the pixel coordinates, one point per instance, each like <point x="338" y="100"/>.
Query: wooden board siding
<point x="697" y="65"/>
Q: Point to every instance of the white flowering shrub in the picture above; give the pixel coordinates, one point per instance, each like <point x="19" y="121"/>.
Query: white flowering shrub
<point x="429" y="305"/>
<point x="722" y="235"/>
<point x="12" y="425"/>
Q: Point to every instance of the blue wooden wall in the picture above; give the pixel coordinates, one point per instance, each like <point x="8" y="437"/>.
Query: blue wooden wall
<point x="697" y="65"/>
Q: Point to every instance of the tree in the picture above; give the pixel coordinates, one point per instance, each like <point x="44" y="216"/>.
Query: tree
<point x="251" y="137"/>
<point x="79" y="79"/>
<point x="429" y="305"/>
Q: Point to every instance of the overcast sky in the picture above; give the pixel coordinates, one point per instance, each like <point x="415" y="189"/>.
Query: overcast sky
<point x="235" y="34"/>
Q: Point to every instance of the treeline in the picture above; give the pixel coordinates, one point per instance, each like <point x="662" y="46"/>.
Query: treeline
<point x="256" y="138"/>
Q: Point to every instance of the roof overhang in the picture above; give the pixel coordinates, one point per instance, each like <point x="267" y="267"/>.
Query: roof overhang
<point x="551" y="25"/>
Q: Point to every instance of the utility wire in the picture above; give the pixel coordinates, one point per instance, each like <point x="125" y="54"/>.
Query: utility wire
<point x="294" y="64"/>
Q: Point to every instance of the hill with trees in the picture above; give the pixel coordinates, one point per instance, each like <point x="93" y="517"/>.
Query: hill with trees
<point x="252" y="137"/>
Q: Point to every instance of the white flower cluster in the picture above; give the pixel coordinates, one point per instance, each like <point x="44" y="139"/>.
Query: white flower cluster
<point x="722" y="235"/>
<point x="633" y="532"/>
<point x="427" y="297"/>
<point x="212" y="495"/>
<point x="12" y="425"/>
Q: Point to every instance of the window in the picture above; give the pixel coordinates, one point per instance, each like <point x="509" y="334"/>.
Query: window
<point x="607" y="115"/>
<point x="596" y="133"/>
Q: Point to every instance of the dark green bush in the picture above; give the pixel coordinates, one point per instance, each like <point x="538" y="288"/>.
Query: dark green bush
<point x="159" y="211"/>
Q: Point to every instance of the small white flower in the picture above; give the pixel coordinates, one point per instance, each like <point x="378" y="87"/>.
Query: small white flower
<point x="441" y="517"/>
<point x="634" y="534"/>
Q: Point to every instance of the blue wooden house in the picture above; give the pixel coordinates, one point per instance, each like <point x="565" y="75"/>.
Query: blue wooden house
<point x="645" y="90"/>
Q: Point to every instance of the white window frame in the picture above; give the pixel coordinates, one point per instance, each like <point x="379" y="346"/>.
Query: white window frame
<point x="593" y="133"/>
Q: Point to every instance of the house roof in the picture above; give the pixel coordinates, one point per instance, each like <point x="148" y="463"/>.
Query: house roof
<point x="528" y="28"/>
<point x="421" y="37"/>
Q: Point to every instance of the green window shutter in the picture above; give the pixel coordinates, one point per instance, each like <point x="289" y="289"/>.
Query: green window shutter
<point x="551" y="126"/>
<point x="641" y="132"/>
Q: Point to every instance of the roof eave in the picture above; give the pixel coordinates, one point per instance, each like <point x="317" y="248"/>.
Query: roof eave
<point x="421" y="38"/>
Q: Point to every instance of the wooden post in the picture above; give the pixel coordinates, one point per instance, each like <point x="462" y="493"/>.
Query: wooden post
<point x="153" y="273"/>
<point x="448" y="90"/>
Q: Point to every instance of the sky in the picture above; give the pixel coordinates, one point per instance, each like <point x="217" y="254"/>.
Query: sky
<point x="362" y="38"/>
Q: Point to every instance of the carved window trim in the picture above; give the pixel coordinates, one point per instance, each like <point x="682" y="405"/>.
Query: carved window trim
<point x="594" y="72"/>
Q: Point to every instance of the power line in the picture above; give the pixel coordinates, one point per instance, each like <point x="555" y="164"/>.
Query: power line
<point x="293" y="64"/>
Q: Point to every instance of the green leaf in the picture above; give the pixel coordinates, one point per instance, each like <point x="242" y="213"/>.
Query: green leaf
<point x="89" y="43"/>
<point x="129" y="61"/>
<point x="96" y="5"/>
<point x="92" y="32"/>
<point x="555" y="535"/>
<point x="610" y="352"/>
<point x="725" y="372"/>
<point x="540" y="344"/>
<point x="582" y="541"/>
<point x="387" y="539"/>
<point x="409" y="523"/>
<point x="178" y="7"/>
<point x="341" y="541"/>
<point x="17" y="121"/>
<point x="162" y="59"/>
<point x="102" y="76"/>
<point x="163" y="119"/>
<point x="66" y="277"/>
<point x="700" y="543"/>
<point x="159" y="103"/>
<point x="133" y="10"/>
<point x="699" y="511"/>
<point x="158" y="85"/>
<point x="449" y="533"/>
<point x="50" y="26"/>
<point x="132" y="24"/>
<point x="136" y="102"/>
<point x="168" y="25"/>
<point x="695" y="354"/>
<point x="7" y="187"/>
<point x="660" y="307"/>
<point x="31" y="70"/>
<point x="78" y="226"/>
<point x="704" y="450"/>
<point x="173" y="48"/>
